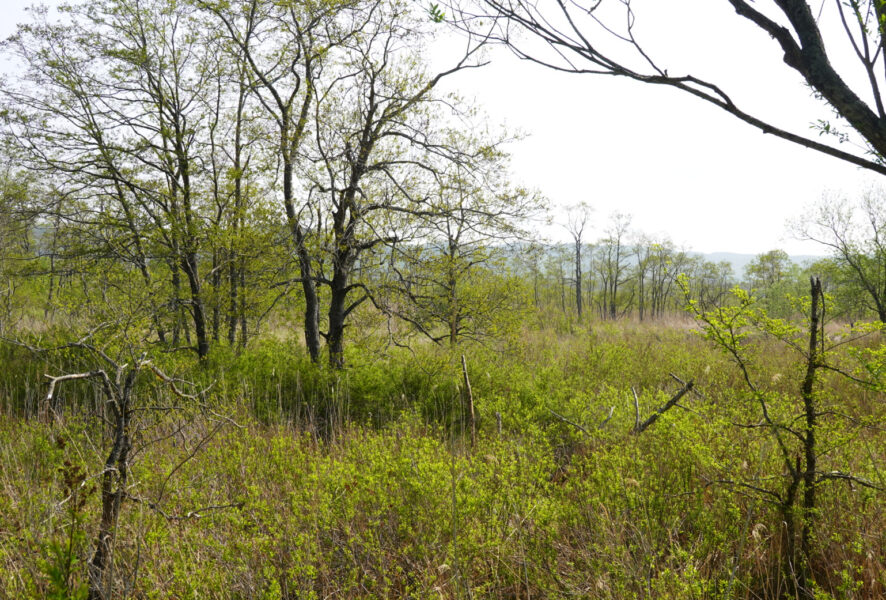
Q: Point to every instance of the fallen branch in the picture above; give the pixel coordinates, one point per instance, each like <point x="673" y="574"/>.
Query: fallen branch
<point x="470" y="398"/>
<point x="636" y="409"/>
<point x="194" y="514"/>
<point x="694" y="390"/>
<point x="573" y="423"/>
<point x="666" y="407"/>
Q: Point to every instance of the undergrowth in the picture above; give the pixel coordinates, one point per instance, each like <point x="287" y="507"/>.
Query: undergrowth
<point x="293" y="481"/>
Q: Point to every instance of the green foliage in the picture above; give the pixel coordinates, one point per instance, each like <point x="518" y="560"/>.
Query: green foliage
<point x="774" y="279"/>
<point x="435" y="13"/>
<point x="285" y="478"/>
<point x="64" y="564"/>
<point x="341" y="482"/>
<point x="799" y="421"/>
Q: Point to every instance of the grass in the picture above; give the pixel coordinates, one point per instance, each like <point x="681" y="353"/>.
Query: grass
<point x="305" y="483"/>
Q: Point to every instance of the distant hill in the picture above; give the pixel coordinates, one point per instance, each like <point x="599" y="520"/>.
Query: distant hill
<point x="739" y="261"/>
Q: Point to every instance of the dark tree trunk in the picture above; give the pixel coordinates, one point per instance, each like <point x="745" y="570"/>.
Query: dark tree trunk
<point x="233" y="287"/>
<point x="243" y="325"/>
<point x="113" y="489"/>
<point x="790" y="570"/>
<point x="197" y="308"/>
<point x="189" y="259"/>
<point x="176" y="301"/>
<point x="809" y="442"/>
<point x="453" y="309"/>
<point x="237" y="264"/>
<point x="337" y="313"/>
<point x="312" y="307"/>
<point x="452" y="283"/>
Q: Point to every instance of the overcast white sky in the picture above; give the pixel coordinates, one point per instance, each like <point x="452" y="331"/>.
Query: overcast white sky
<point x="682" y="168"/>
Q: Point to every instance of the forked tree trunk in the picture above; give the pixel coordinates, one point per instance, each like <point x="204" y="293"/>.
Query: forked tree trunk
<point x="113" y="490"/>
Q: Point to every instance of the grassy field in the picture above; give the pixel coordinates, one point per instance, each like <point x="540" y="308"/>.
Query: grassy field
<point x="291" y="481"/>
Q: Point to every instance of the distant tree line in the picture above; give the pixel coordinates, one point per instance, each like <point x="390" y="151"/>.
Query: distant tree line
<point x="630" y="274"/>
<point x="296" y="166"/>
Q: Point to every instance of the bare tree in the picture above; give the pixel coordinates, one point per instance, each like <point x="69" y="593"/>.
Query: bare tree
<point x="855" y="233"/>
<point x="117" y="371"/>
<point x="612" y="263"/>
<point x="284" y="48"/>
<point x="577" y="220"/>
<point x="599" y="38"/>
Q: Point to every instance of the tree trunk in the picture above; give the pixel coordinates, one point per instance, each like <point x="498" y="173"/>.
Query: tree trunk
<point x="337" y="313"/>
<point x="453" y="296"/>
<point x="809" y="443"/>
<point x="578" y="296"/>
<point x="233" y="287"/>
<point x="176" y="300"/>
<point x="197" y="308"/>
<point x="243" y="324"/>
<point x="791" y="572"/>
<point x="113" y="490"/>
<point x="234" y="277"/>
<point x="562" y="290"/>
<point x="216" y="285"/>
<point x="309" y="285"/>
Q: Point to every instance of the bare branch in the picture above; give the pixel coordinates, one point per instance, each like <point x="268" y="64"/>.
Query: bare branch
<point x="664" y="408"/>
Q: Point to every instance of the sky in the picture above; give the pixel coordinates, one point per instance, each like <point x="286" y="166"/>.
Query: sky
<point x="681" y="168"/>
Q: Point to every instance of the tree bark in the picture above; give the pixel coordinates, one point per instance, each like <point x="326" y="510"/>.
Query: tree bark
<point x="578" y="295"/>
<point x="337" y="314"/>
<point x="113" y="489"/>
<point x="809" y="439"/>
<point x="197" y="308"/>
<point x="308" y="283"/>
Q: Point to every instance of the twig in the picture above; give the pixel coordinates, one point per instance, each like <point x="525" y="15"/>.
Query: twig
<point x="171" y="383"/>
<point x="193" y="514"/>
<point x="681" y="382"/>
<point x="851" y="479"/>
<point x="573" y="423"/>
<point x="191" y="455"/>
<point x="777" y="499"/>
